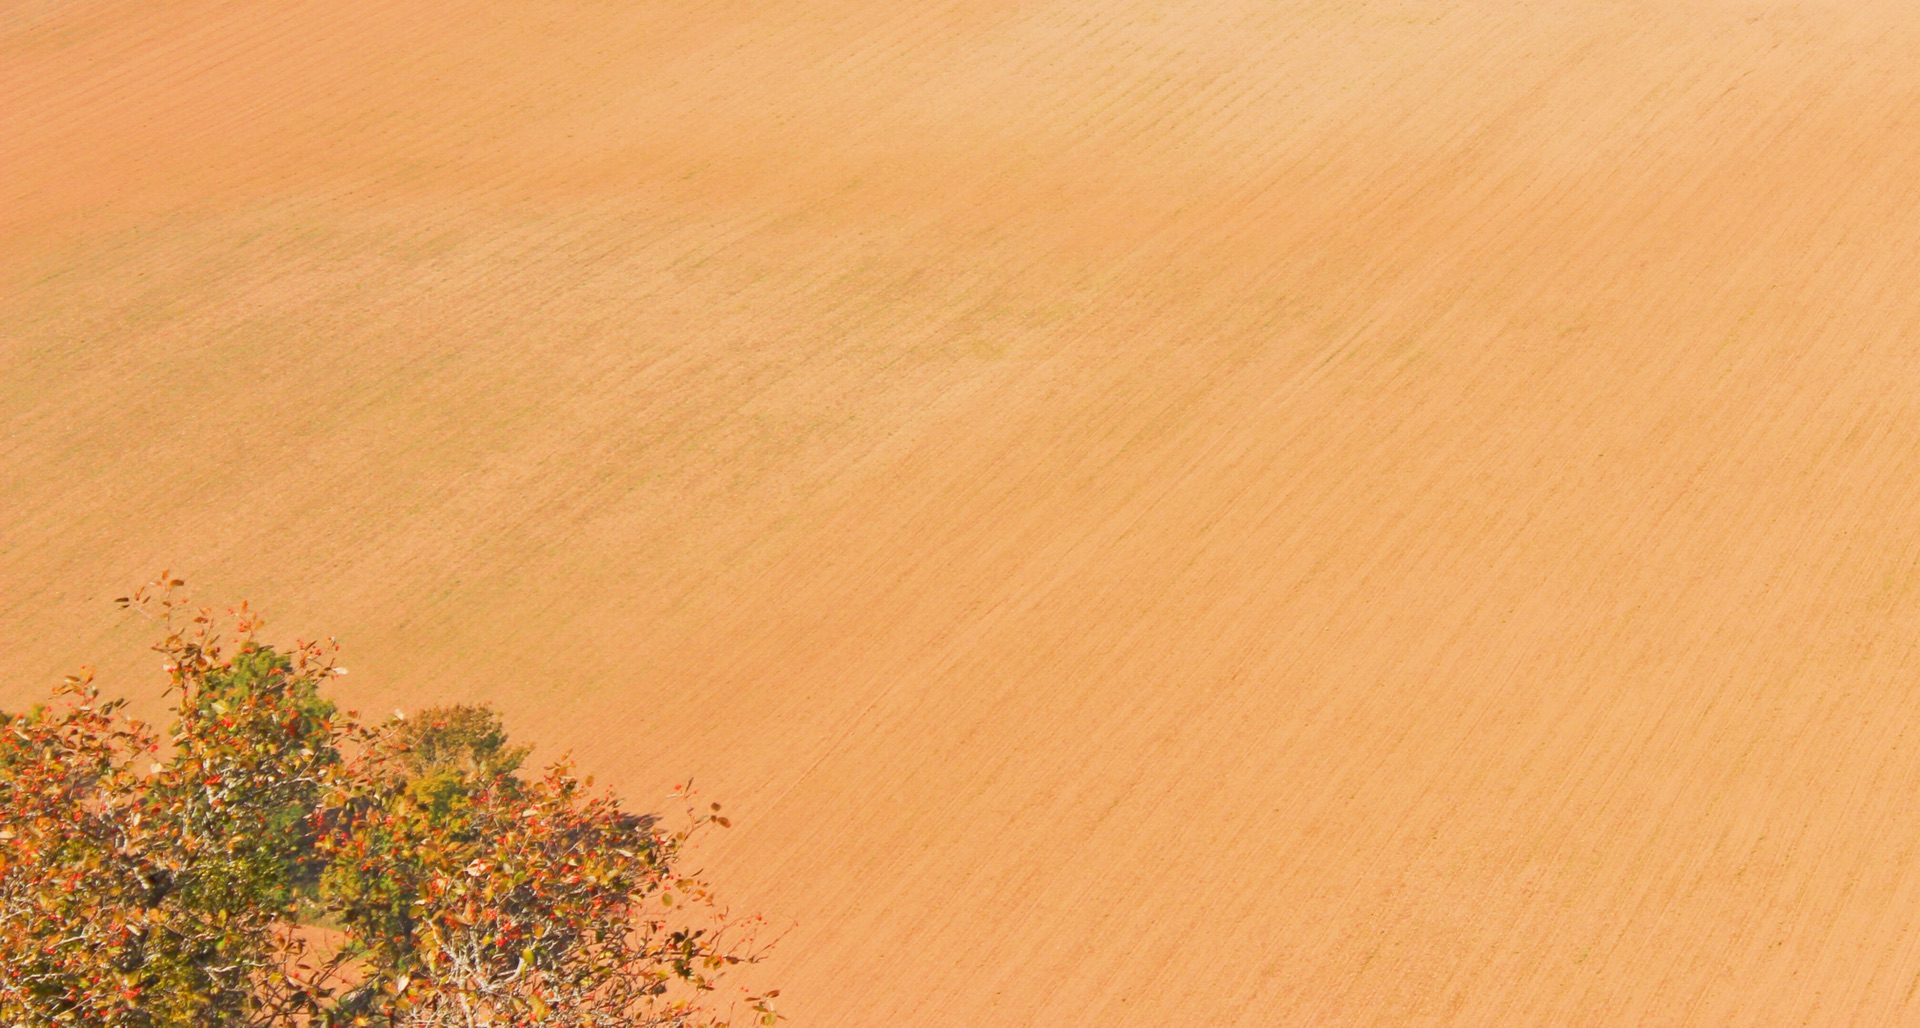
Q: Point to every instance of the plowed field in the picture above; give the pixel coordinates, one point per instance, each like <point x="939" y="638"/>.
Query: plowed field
<point x="1258" y="512"/>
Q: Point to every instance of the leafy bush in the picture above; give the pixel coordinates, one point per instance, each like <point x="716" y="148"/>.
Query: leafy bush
<point x="150" y="880"/>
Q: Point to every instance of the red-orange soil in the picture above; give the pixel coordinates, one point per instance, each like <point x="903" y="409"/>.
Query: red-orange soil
<point x="1235" y="512"/>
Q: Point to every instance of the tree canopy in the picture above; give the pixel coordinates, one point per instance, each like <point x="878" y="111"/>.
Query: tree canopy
<point x="272" y="860"/>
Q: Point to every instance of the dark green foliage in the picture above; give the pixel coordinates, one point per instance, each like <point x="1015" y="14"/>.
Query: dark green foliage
<point x="443" y="755"/>
<point x="271" y="721"/>
<point x="465" y="740"/>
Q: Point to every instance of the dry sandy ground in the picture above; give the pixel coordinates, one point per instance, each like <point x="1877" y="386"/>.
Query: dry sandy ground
<point x="1231" y="512"/>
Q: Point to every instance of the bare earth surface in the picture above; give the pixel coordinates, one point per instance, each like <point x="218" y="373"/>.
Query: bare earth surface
<point x="1233" y="512"/>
